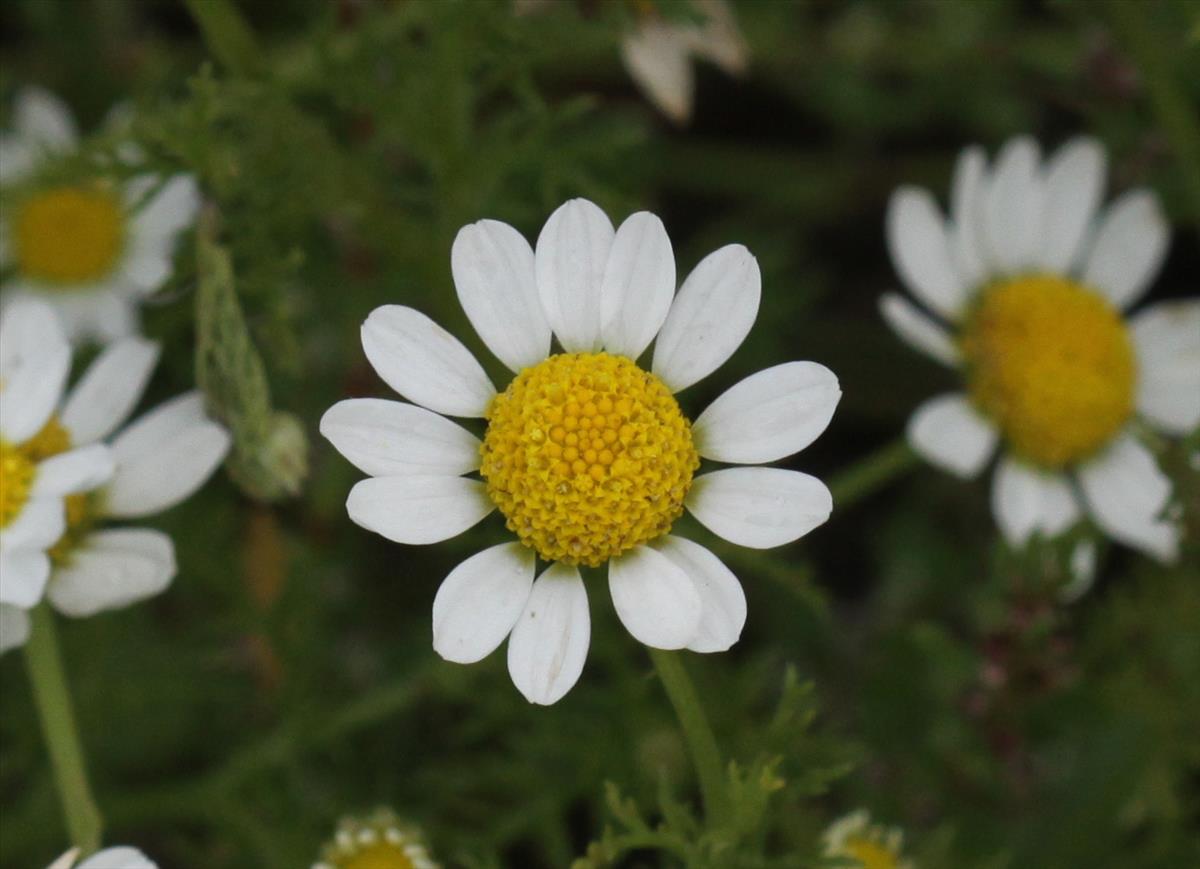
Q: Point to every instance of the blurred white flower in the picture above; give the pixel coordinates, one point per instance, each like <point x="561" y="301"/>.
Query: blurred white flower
<point x="1023" y="288"/>
<point x="109" y="858"/>
<point x="873" y="846"/>
<point x="94" y="249"/>
<point x="587" y="455"/>
<point x="148" y="466"/>
<point x="379" y="841"/>
<point x="659" y="53"/>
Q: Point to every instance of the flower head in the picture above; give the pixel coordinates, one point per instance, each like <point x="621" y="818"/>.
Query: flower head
<point x="63" y="486"/>
<point x="92" y="247"/>
<point x="588" y="456"/>
<point x="109" y="858"/>
<point x="379" y="841"/>
<point x="854" y="837"/>
<point x="1025" y="289"/>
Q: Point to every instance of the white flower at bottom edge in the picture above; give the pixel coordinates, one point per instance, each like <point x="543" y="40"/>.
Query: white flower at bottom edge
<point x="38" y="468"/>
<point x="157" y="461"/>
<point x="872" y="845"/>
<point x="109" y="858"/>
<point x="93" y="249"/>
<point x="1024" y="288"/>
<point x="588" y="456"/>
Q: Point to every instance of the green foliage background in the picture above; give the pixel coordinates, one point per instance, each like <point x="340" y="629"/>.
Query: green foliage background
<point x="287" y="676"/>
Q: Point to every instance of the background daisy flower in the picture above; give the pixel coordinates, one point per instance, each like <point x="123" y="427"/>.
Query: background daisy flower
<point x="588" y="456"/>
<point x="39" y="467"/>
<point x="122" y="857"/>
<point x="158" y="460"/>
<point x="94" y="248"/>
<point x="379" y="841"/>
<point x="871" y="846"/>
<point x="1024" y="289"/>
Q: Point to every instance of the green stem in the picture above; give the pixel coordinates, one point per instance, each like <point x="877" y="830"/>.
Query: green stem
<point x="57" y="716"/>
<point x="871" y="472"/>
<point x="1175" y="111"/>
<point x="697" y="733"/>
<point x="226" y="33"/>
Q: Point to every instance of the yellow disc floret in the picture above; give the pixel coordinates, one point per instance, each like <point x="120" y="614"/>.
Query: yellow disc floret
<point x="1051" y="362"/>
<point x="587" y="456"/>
<point x="376" y="842"/>
<point x="69" y="235"/>
<point x="16" y="480"/>
<point x="871" y="854"/>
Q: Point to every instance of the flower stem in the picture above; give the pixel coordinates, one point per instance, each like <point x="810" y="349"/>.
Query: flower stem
<point x="57" y="716"/>
<point x="871" y="472"/>
<point x="697" y="733"/>
<point x="226" y="33"/>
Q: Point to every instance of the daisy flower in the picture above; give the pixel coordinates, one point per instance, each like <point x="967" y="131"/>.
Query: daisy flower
<point x="587" y="455"/>
<point x="109" y="858"/>
<point x="1025" y="290"/>
<point x="659" y="53"/>
<point x="152" y="464"/>
<point x="93" y="248"/>
<point x="39" y="469"/>
<point x="854" y="837"/>
<point x="380" y="841"/>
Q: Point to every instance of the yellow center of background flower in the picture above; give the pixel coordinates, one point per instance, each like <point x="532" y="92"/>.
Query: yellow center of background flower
<point x="871" y="855"/>
<point x="1051" y="362"/>
<point x="587" y="456"/>
<point x="16" y="479"/>
<point x="69" y="235"/>
<point x="381" y="855"/>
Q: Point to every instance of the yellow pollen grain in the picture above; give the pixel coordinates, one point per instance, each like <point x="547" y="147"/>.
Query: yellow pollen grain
<point x="1052" y="363"/>
<point x="871" y="855"/>
<point x="601" y="493"/>
<point x="69" y="235"/>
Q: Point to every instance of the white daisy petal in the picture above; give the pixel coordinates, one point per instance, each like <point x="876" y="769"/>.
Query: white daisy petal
<point x="32" y="391"/>
<point x="425" y="363"/>
<point x="79" y="470"/>
<point x="28" y="328"/>
<point x="920" y="250"/>
<point x="950" y="433"/>
<point x="39" y="525"/>
<point x="390" y="438"/>
<point x="112" y="569"/>
<point x="572" y="252"/>
<point x="418" y="509"/>
<point x="14" y="627"/>
<point x="41" y="117"/>
<point x="918" y="330"/>
<point x="1026" y="500"/>
<point x="477" y="605"/>
<point x="17" y="157"/>
<point x="1167" y="338"/>
<point x="493" y="272"/>
<point x="966" y="217"/>
<point x="549" y="643"/>
<point x="1129" y="248"/>
<point x="118" y="858"/>
<point x="147" y="266"/>
<point x="1126" y="492"/>
<point x="711" y="315"/>
<point x="164" y="457"/>
<point x="1013" y="207"/>
<point x="23" y="575"/>
<point x="771" y="414"/>
<point x="638" y="285"/>
<point x="723" y="602"/>
<point x="759" y="507"/>
<point x="1074" y="186"/>
<point x="654" y="598"/>
<point x="657" y="57"/>
<point x="110" y="388"/>
<point x="102" y="315"/>
<point x="172" y="209"/>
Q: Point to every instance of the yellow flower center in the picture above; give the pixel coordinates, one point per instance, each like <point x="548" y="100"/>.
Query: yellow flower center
<point x="1051" y="362"/>
<point x="16" y="480"/>
<point x="872" y="855"/>
<point x="69" y="235"/>
<point x="587" y="456"/>
<point x="381" y="855"/>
